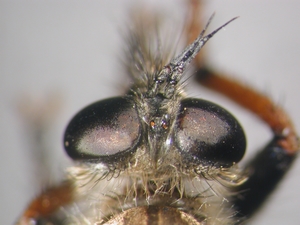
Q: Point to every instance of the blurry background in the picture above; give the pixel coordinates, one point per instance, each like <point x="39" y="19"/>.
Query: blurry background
<point x="58" y="56"/>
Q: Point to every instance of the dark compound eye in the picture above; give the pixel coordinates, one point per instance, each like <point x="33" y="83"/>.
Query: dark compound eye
<point x="103" y="129"/>
<point x="209" y="134"/>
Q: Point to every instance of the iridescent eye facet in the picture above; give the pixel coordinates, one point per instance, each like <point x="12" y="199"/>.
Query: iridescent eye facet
<point x="209" y="134"/>
<point x="103" y="129"/>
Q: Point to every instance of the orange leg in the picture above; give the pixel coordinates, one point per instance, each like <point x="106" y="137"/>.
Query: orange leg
<point x="47" y="203"/>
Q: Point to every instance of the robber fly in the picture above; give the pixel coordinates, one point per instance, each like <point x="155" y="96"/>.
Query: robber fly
<point x="156" y="156"/>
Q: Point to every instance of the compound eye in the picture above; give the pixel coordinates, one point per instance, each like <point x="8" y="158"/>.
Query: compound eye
<point x="209" y="134"/>
<point x="103" y="129"/>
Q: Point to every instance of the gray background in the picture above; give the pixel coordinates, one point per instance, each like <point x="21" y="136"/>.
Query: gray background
<point x="70" y="50"/>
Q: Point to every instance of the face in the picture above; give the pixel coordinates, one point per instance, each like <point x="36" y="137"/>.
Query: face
<point x="43" y="69"/>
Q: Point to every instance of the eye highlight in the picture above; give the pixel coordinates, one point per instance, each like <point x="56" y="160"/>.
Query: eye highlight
<point x="208" y="133"/>
<point x="103" y="129"/>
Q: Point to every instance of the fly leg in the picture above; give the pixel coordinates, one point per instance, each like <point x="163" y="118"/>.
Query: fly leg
<point x="46" y="204"/>
<point x="270" y="164"/>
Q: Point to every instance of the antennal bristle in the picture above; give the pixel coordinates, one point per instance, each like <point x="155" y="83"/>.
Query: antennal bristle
<point x="178" y="65"/>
